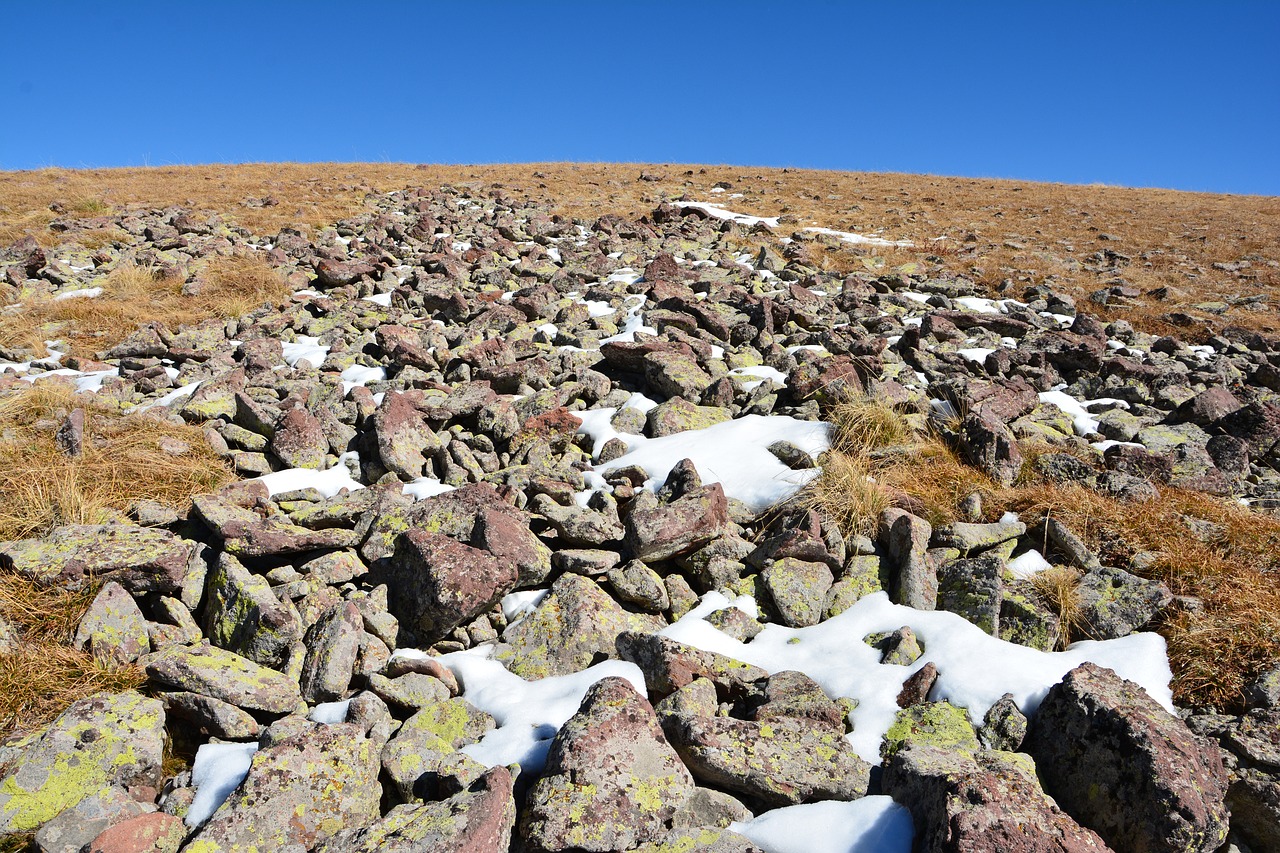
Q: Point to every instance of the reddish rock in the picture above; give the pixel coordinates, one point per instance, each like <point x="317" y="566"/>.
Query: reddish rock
<point x="403" y="437"/>
<point x="439" y="583"/>
<point x="1126" y="768"/>
<point x="657" y="531"/>
<point x="331" y="273"/>
<point x="149" y="833"/>
<point x="986" y="802"/>
<point x="299" y="440"/>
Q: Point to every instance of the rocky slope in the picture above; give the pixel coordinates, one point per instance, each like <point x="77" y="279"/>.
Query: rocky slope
<point x="507" y="567"/>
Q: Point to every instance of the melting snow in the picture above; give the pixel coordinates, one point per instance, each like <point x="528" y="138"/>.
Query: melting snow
<point x="870" y="825"/>
<point x="218" y="769"/>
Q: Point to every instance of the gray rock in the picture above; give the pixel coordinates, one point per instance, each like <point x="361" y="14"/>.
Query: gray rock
<point x="477" y="820"/>
<point x="973" y="588"/>
<point x="223" y="675"/>
<point x="976" y="537"/>
<point x="1115" y="603"/>
<point x="636" y="583"/>
<point x="141" y="559"/>
<point x="83" y="822"/>
<point x="332" y="644"/>
<point x="798" y="590"/>
<point x="989" y="446"/>
<point x="220" y="719"/>
<point x="906" y="538"/>
<point x="1004" y="727"/>
<point x="669" y="665"/>
<point x="576" y="624"/>
<point x="415" y="759"/>
<point x="243" y="615"/>
<point x="438" y="583"/>
<point x="113" y="629"/>
<point x="1127" y="768"/>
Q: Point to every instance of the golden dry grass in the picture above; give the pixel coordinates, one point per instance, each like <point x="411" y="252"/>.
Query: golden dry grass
<point x="992" y="230"/>
<point x="1058" y="588"/>
<point x="232" y="285"/>
<point x="126" y="458"/>
<point x="44" y="673"/>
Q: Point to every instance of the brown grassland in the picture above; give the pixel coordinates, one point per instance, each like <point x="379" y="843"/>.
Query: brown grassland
<point x="1004" y="235"/>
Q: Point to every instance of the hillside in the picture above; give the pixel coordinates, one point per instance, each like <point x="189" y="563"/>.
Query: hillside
<point x="722" y="507"/>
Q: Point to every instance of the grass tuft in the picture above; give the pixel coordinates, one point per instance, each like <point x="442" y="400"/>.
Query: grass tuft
<point x="126" y="458"/>
<point x="1058" y="588"/>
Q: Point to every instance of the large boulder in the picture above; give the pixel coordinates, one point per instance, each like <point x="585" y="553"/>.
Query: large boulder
<point x="437" y="583"/>
<point x="612" y="781"/>
<point x="575" y="625"/>
<point x="658" y="531"/>
<point x="244" y="616"/>
<point x="1126" y="768"/>
<point x="980" y="802"/>
<point x="101" y="742"/>
<point x="301" y="789"/>
<point x="413" y="759"/>
<point x="113" y="629"/>
<point x="477" y="820"/>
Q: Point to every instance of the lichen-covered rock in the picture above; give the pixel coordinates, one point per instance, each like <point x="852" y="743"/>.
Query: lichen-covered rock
<point x="246" y="533"/>
<point x="141" y="559"/>
<point x="244" y="616"/>
<point x="1126" y="768"/>
<point x="113" y="629"/>
<point x="657" y="531"/>
<point x="300" y="791"/>
<point x="989" y="446"/>
<point x="973" y="588"/>
<point x="81" y="824"/>
<point x="936" y="724"/>
<point x="983" y="802"/>
<point x="780" y="761"/>
<point x="477" y="820"/>
<point x="438" y="583"/>
<point x="577" y="622"/>
<point x="701" y="840"/>
<point x="794" y="694"/>
<point x="223" y="675"/>
<point x="1115" y="603"/>
<point x="1004" y="726"/>
<point x="669" y="665"/>
<point x="635" y="583"/>
<point x="977" y="537"/>
<point x="101" y="742"/>
<point x="413" y="758"/>
<point x="798" y="589"/>
<point x="612" y="780"/>
<point x="678" y="415"/>
<point x="332" y="645"/>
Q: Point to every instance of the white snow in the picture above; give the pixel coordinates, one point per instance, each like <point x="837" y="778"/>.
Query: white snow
<point x="358" y="374"/>
<point x="734" y="453"/>
<point x="518" y="604"/>
<point x="859" y="239"/>
<point x="425" y="487"/>
<point x="978" y="355"/>
<point x="597" y="307"/>
<point x="528" y="713"/>
<point x="383" y="299"/>
<point x="328" y="482"/>
<point x="218" y="769"/>
<point x="758" y="374"/>
<point x="719" y="212"/>
<point x="870" y="825"/>
<point x="82" y="293"/>
<point x="305" y="347"/>
<point x="1025" y="565"/>
<point x="330" y="712"/>
<point x="975" y="668"/>
<point x="1078" y="410"/>
<point x="90" y="380"/>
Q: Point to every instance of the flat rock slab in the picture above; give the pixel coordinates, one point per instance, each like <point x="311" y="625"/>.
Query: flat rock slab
<point x="223" y="675"/>
<point x="141" y="559"/>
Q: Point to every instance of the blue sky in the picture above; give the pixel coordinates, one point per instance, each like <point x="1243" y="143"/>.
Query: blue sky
<point x="1162" y="94"/>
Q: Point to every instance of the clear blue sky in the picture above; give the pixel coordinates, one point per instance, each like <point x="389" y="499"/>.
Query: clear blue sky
<point x="1165" y="94"/>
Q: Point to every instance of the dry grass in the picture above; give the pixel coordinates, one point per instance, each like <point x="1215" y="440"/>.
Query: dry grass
<point x="847" y="493"/>
<point x="1058" y="589"/>
<point x="866" y="424"/>
<point x="992" y="230"/>
<point x="231" y="286"/>
<point x="126" y="458"/>
<point x="44" y="674"/>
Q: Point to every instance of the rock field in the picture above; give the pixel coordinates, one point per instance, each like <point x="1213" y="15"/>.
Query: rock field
<point x="511" y="563"/>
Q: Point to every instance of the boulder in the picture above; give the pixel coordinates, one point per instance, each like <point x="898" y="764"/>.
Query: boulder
<point x="669" y="665"/>
<point x="657" y="531"/>
<point x="301" y="789"/>
<point x="1115" y="603"/>
<point x="222" y="675"/>
<point x="414" y="759"/>
<point x="980" y="802"/>
<point x="477" y="820"/>
<point x="244" y="616"/>
<point x="113" y="629"/>
<point x="332" y="644"/>
<point x="577" y="624"/>
<point x="141" y="559"/>
<point x="149" y="833"/>
<point x="437" y="583"/>
<point x="906" y="538"/>
<point x="1126" y="768"/>
<point x="100" y="743"/>
<point x="612" y="781"/>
